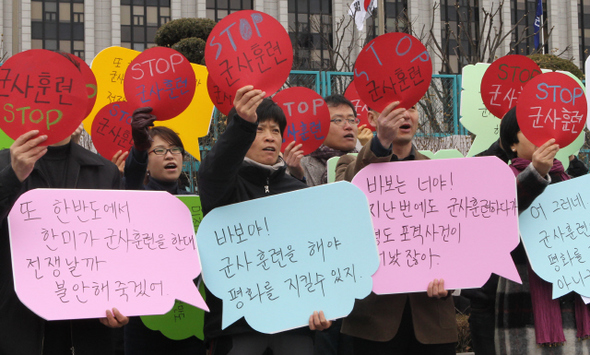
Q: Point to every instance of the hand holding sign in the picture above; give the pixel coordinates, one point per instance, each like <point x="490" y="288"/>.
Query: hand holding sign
<point x="90" y="250"/>
<point x="249" y="48"/>
<point x="42" y="90"/>
<point x="308" y="117"/>
<point x="552" y="105"/>
<point x="555" y="231"/>
<point x="392" y="67"/>
<point x="260" y="259"/>
<point x="434" y="220"/>
<point x="161" y="78"/>
<point x="504" y="80"/>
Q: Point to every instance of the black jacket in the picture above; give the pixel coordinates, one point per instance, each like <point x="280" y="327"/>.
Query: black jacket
<point x="21" y="331"/>
<point x="224" y="178"/>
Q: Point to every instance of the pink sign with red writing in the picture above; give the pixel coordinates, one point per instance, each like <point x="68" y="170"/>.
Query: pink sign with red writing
<point x="77" y="253"/>
<point x="552" y="105"/>
<point x="503" y="81"/>
<point x="42" y="90"/>
<point x="392" y="67"/>
<point x="308" y="117"/>
<point x="162" y="79"/>
<point x="249" y="48"/>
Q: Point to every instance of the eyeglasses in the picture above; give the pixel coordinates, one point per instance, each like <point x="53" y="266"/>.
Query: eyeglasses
<point x="342" y="121"/>
<point x="164" y="151"/>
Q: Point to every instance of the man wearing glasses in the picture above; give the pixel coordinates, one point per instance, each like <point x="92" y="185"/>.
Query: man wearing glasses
<point x="341" y="140"/>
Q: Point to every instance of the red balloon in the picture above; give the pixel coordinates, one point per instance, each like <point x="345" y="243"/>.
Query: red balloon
<point x="552" y="105"/>
<point x="222" y="101"/>
<point x="42" y="90"/>
<point x="362" y="110"/>
<point x="90" y="82"/>
<point x="308" y="117"/>
<point x="249" y="48"/>
<point x="392" y="67"/>
<point x="162" y="79"/>
<point x="111" y="129"/>
<point x="503" y="81"/>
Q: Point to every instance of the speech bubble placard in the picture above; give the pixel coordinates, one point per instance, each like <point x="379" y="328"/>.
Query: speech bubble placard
<point x="111" y="129"/>
<point x="392" y="67"/>
<point x="555" y="233"/>
<point x="222" y="101"/>
<point x="308" y="117"/>
<point x="43" y="90"/>
<point x="362" y="110"/>
<point x="77" y="253"/>
<point x="504" y="80"/>
<point x="162" y="79"/>
<point x="90" y="81"/>
<point x="183" y="320"/>
<point x="552" y="105"/>
<point x="476" y="118"/>
<point x="260" y="259"/>
<point x="452" y="219"/>
<point x="249" y="48"/>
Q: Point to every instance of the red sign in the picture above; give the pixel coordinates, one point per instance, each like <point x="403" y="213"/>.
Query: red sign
<point x="308" y="117"/>
<point x="42" y="90"/>
<point x="90" y="82"/>
<point x="362" y="110"/>
<point x="111" y="129"/>
<point x="392" y="67"/>
<point x="249" y="48"/>
<point x="552" y="105"/>
<point x="162" y="79"/>
<point x="222" y="101"/>
<point x="503" y="81"/>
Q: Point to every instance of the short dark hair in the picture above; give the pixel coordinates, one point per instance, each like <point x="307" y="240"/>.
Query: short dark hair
<point x="508" y="132"/>
<point x="167" y="134"/>
<point x="336" y="100"/>
<point x="267" y="110"/>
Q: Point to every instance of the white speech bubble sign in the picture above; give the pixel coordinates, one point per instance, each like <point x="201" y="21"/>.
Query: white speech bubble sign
<point x="77" y="253"/>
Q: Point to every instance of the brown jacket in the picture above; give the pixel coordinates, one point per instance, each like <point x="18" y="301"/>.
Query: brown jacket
<point x="377" y="317"/>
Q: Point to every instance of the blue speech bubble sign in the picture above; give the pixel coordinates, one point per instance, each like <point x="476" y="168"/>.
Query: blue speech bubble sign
<point x="555" y="231"/>
<point x="289" y="255"/>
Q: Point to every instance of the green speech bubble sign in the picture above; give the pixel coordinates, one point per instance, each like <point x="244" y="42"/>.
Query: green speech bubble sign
<point x="183" y="320"/>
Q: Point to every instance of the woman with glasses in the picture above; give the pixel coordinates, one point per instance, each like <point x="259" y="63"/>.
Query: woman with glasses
<point x="154" y="163"/>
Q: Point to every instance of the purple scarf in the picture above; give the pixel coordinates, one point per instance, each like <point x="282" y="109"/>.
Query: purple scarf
<point x="546" y="311"/>
<point x="323" y="153"/>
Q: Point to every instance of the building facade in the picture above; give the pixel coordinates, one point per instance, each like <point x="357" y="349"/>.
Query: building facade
<point x="452" y="29"/>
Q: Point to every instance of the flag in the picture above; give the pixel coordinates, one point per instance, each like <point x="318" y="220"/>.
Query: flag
<point x="538" y="23"/>
<point x="361" y="10"/>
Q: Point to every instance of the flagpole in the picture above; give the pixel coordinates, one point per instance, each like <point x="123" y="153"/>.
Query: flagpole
<point x="542" y="39"/>
<point x="381" y="18"/>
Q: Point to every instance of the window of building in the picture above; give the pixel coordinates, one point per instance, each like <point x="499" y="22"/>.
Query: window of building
<point x="140" y="19"/>
<point x="584" y="29"/>
<point x="218" y="9"/>
<point x="460" y="31"/>
<point x="310" y="29"/>
<point x="58" y="25"/>
<point x="396" y="19"/>
<point x="523" y="37"/>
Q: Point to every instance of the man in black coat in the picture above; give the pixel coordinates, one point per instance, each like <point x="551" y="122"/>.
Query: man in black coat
<point x="28" y="165"/>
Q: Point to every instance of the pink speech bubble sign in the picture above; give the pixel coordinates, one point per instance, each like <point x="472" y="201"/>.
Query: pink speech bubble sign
<point x="161" y="78"/>
<point x="362" y="110"/>
<point x="392" y="67"/>
<point x="249" y="48"/>
<point x="552" y="105"/>
<point x="42" y="90"/>
<point x="86" y="251"/>
<point x="504" y="80"/>
<point x="452" y="219"/>
<point x="308" y="117"/>
<point x="222" y="101"/>
<point x="111" y="129"/>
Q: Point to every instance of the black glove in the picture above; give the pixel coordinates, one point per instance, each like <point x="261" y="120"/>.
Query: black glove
<point x="141" y="120"/>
